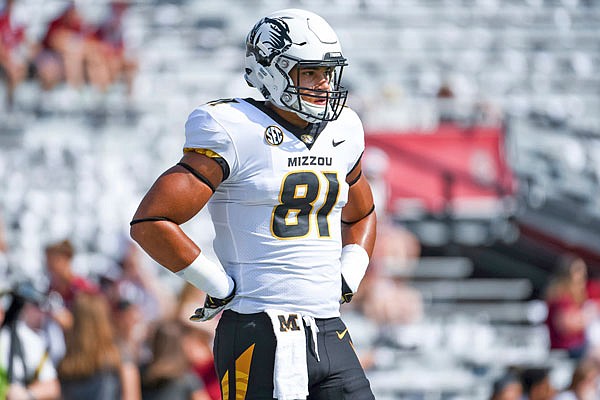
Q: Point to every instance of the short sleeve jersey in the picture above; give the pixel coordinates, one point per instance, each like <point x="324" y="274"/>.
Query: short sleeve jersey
<point x="277" y="215"/>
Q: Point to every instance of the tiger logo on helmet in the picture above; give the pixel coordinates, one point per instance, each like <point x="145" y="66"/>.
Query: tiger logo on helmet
<point x="269" y="38"/>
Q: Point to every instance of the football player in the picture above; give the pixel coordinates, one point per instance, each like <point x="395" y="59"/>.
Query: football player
<point x="293" y="215"/>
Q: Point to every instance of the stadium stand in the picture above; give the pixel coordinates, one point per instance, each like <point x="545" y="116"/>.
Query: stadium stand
<point x="75" y="162"/>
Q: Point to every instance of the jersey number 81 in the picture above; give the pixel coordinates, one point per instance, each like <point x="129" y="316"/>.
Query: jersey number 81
<point x="299" y="191"/>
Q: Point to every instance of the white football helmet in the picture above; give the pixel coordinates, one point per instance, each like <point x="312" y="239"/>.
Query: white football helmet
<point x="289" y="38"/>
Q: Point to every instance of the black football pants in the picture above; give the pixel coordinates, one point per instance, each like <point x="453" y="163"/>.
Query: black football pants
<point x="244" y="351"/>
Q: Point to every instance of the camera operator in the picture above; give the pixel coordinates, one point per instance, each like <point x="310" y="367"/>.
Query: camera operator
<point x="24" y="359"/>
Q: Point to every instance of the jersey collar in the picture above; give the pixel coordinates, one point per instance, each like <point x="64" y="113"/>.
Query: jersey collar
<point x="307" y="135"/>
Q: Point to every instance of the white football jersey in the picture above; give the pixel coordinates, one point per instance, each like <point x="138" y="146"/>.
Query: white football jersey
<point x="277" y="215"/>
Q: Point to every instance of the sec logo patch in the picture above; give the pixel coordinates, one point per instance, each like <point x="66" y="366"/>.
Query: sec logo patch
<point x="274" y="135"/>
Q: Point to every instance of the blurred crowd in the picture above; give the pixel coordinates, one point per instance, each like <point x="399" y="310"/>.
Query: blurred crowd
<point x="72" y="51"/>
<point x="573" y="318"/>
<point x="120" y="335"/>
<point x="126" y="334"/>
<point x="123" y="332"/>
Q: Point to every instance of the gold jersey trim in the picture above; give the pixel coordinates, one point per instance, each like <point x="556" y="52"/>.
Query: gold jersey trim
<point x="206" y="152"/>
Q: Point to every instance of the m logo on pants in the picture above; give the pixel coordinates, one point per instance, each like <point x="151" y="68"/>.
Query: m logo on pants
<point x="290" y="325"/>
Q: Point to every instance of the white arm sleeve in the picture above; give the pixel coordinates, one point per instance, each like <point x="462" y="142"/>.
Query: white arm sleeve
<point x="355" y="261"/>
<point x="208" y="276"/>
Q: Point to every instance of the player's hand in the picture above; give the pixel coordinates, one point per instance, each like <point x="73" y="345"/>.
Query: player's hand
<point x="212" y="307"/>
<point x="347" y="293"/>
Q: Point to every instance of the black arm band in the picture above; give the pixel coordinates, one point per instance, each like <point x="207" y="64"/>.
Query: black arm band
<point x="361" y="218"/>
<point x="150" y="219"/>
<point x="353" y="181"/>
<point x="198" y="175"/>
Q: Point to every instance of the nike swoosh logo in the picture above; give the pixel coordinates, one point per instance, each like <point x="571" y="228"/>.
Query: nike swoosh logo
<point x="335" y="144"/>
<point x="342" y="334"/>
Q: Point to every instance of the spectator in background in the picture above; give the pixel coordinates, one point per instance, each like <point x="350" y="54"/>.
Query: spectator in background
<point x="131" y="328"/>
<point x="93" y="368"/>
<point x="35" y="315"/>
<point x="569" y="312"/>
<point x="198" y="339"/>
<point x="536" y="384"/>
<point x="507" y="387"/>
<point x="169" y="374"/>
<point x="584" y="382"/>
<point x="446" y="102"/>
<point x="64" y="285"/>
<point x="26" y="371"/>
<point x="138" y="299"/>
<point x="198" y="344"/>
<point x="110" y="33"/>
<point x="13" y="62"/>
<point x="64" y="281"/>
<point x="71" y="53"/>
<point x="139" y="285"/>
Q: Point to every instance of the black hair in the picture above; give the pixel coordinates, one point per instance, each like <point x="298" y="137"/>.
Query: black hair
<point x="533" y="376"/>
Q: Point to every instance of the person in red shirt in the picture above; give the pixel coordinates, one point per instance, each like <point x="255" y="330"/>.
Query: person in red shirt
<point x="110" y="34"/>
<point x="64" y="281"/>
<point x="71" y="52"/>
<point x="569" y="310"/>
<point x="198" y="339"/>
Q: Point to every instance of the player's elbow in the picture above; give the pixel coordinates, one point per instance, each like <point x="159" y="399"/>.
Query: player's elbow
<point x="137" y="233"/>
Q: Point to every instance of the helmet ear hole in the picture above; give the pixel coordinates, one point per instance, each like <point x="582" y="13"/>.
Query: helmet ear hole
<point x="283" y="63"/>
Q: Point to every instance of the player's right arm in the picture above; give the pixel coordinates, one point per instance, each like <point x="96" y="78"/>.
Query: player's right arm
<point x="177" y="196"/>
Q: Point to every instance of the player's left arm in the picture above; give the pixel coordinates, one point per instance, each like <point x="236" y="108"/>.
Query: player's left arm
<point x="359" y="224"/>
